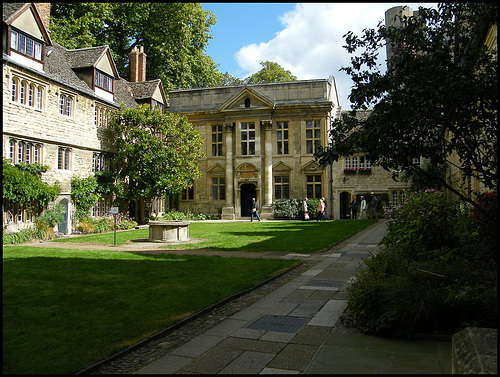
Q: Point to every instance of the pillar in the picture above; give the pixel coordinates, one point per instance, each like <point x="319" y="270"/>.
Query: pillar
<point x="267" y="208"/>
<point x="228" y="209"/>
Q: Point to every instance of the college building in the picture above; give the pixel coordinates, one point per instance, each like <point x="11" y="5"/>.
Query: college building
<point x="259" y="140"/>
<point x="57" y="104"/>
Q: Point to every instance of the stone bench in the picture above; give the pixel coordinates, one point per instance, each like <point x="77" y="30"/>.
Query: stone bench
<point x="169" y="231"/>
<point x="474" y="351"/>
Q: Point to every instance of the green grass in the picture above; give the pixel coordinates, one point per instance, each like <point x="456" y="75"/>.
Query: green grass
<point x="287" y="236"/>
<point x="64" y="310"/>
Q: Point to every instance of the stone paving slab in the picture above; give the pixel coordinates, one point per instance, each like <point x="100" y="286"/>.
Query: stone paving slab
<point x="329" y="314"/>
<point x="249" y="362"/>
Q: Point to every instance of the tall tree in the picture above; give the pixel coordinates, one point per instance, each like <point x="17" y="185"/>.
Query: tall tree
<point x="270" y="72"/>
<point x="156" y="155"/>
<point x="437" y="99"/>
<point x="174" y="35"/>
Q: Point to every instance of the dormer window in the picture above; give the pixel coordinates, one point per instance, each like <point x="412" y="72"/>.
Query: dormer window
<point x="25" y="45"/>
<point x="104" y="81"/>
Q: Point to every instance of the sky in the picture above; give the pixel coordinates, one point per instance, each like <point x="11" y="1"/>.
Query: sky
<point x="304" y="38"/>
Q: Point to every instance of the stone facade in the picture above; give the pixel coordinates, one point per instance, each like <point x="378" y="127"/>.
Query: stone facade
<point x="55" y="109"/>
<point x="282" y="165"/>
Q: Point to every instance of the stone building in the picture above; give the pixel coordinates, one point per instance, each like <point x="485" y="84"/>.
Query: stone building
<point x="259" y="143"/>
<point x="57" y="103"/>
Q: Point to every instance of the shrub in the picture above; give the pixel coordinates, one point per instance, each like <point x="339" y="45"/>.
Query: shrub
<point x="431" y="277"/>
<point x="291" y="209"/>
<point x="177" y="215"/>
<point x="123" y="222"/>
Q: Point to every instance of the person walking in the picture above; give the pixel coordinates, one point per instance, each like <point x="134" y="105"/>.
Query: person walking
<point x="305" y="210"/>
<point x="362" y="210"/>
<point x="354" y="207"/>
<point x="373" y="206"/>
<point x="321" y="209"/>
<point x="255" y="209"/>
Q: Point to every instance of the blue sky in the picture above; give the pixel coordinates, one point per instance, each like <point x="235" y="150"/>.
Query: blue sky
<point x="304" y="38"/>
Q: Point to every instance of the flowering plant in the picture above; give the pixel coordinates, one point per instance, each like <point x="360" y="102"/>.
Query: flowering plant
<point x="349" y="171"/>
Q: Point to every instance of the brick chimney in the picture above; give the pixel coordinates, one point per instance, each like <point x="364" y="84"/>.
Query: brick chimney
<point x="137" y="65"/>
<point x="44" y="11"/>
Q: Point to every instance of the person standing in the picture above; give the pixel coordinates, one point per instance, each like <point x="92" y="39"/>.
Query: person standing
<point x="354" y="207"/>
<point x="255" y="209"/>
<point x="362" y="211"/>
<point x="321" y="209"/>
<point x="373" y="206"/>
<point x="305" y="210"/>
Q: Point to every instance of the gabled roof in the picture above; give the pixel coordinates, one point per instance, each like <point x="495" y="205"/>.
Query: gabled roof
<point x="144" y="89"/>
<point x="89" y="57"/>
<point x="11" y="11"/>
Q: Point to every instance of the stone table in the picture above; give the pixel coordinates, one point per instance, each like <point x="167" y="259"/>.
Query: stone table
<point x="169" y="231"/>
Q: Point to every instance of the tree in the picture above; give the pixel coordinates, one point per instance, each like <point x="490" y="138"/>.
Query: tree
<point x="270" y="72"/>
<point x="174" y="36"/>
<point x="156" y="154"/>
<point x="436" y="100"/>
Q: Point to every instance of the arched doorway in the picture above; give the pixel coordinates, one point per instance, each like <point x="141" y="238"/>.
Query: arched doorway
<point x="345" y="210"/>
<point x="247" y="192"/>
<point x="63" y="226"/>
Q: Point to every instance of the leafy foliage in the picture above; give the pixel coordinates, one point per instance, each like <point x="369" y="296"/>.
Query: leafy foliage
<point x="157" y="153"/>
<point x="84" y="193"/>
<point x="292" y="209"/>
<point x="174" y="36"/>
<point x="22" y="184"/>
<point x="452" y="113"/>
<point x="270" y="72"/>
<point x="433" y="276"/>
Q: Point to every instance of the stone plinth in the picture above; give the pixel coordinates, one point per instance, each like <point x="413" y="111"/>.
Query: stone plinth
<point x="474" y="351"/>
<point x="169" y="231"/>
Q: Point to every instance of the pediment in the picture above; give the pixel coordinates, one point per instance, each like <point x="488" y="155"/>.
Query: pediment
<point x="281" y="167"/>
<point x="216" y="170"/>
<point x="247" y="99"/>
<point x="312" y="167"/>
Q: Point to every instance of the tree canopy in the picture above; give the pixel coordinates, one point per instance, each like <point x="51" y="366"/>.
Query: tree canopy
<point x="270" y="72"/>
<point x="174" y="36"/>
<point x="437" y="99"/>
<point x="157" y="153"/>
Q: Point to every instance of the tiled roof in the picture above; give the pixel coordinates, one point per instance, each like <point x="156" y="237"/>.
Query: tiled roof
<point x="10" y="8"/>
<point x="144" y="89"/>
<point x="85" y="57"/>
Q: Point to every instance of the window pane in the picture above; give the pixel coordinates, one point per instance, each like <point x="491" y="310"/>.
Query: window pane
<point x="38" y="51"/>
<point x="13" y="39"/>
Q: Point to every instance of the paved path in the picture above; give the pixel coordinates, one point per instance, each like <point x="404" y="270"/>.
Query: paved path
<point x="292" y="330"/>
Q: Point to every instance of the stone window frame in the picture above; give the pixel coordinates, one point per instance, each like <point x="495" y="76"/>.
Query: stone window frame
<point x="66" y="103"/>
<point x="312" y="186"/>
<point x="247" y="143"/>
<point x="283" y="143"/>
<point x="218" y="188"/>
<point x="64" y="158"/>
<point x="26" y="92"/>
<point x="26" y="151"/>
<point x="217" y="140"/>
<point x="312" y="135"/>
<point x="281" y="186"/>
<point x="187" y="193"/>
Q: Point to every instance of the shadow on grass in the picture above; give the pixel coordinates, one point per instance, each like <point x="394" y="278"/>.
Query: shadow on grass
<point x="62" y="314"/>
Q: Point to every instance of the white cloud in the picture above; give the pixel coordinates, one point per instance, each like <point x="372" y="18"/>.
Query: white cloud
<point x="310" y="44"/>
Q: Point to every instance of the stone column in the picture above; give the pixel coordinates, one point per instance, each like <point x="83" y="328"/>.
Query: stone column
<point x="228" y="209"/>
<point x="267" y="207"/>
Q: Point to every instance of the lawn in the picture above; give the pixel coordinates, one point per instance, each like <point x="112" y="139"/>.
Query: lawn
<point x="64" y="310"/>
<point x="288" y="236"/>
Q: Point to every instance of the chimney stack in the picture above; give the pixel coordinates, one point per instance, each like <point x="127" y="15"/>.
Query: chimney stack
<point x="137" y="65"/>
<point x="44" y="11"/>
